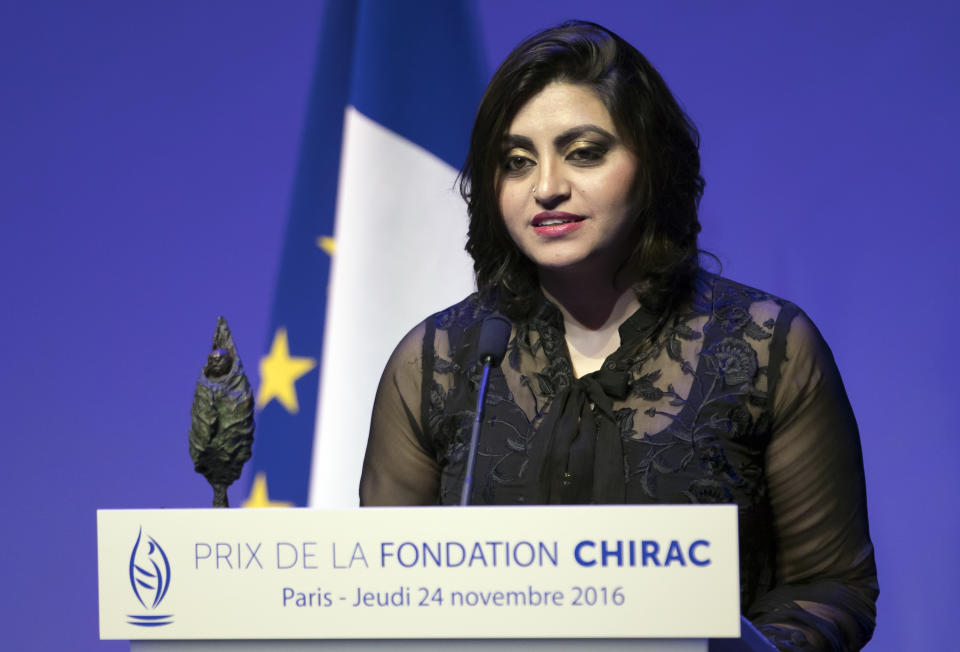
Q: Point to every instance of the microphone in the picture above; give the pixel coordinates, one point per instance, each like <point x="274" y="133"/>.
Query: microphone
<point x="491" y="345"/>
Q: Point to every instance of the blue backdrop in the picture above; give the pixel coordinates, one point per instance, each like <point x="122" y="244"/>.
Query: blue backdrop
<point x="146" y="148"/>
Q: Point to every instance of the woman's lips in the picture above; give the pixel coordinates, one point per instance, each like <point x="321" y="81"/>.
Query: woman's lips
<point x="556" y="223"/>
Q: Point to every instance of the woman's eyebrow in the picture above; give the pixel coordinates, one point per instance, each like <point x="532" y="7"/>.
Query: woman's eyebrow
<point x="571" y="134"/>
<point x="513" y="140"/>
<point x="561" y="140"/>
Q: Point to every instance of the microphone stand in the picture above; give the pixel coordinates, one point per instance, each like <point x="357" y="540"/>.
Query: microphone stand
<point x="475" y="434"/>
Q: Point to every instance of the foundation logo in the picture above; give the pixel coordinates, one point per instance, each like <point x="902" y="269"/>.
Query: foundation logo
<point x="150" y="580"/>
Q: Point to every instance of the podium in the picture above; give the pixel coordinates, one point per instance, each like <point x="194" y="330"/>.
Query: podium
<point x="662" y="577"/>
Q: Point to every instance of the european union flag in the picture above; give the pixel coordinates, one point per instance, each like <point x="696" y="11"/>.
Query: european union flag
<point x="375" y="236"/>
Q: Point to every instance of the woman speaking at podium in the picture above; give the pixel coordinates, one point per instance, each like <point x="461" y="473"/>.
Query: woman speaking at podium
<point x="631" y="374"/>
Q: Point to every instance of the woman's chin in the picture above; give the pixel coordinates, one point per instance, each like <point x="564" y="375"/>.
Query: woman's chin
<point x="596" y="264"/>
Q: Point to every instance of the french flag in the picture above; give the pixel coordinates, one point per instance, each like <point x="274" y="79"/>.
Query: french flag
<point x="374" y="238"/>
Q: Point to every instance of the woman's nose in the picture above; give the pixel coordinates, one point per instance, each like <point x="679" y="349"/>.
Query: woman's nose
<point x="552" y="186"/>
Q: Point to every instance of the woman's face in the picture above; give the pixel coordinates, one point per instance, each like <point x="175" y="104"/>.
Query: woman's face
<point x="565" y="182"/>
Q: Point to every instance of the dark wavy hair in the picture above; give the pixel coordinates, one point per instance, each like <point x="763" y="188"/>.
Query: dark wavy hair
<point x="652" y="124"/>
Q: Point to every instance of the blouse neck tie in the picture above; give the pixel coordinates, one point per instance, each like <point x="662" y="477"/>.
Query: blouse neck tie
<point x="585" y="447"/>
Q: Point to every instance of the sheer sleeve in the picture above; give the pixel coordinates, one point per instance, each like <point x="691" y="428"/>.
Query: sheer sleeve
<point x="826" y="576"/>
<point x="398" y="468"/>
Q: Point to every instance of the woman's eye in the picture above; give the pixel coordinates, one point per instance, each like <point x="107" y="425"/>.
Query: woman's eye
<point x="516" y="163"/>
<point x="591" y="154"/>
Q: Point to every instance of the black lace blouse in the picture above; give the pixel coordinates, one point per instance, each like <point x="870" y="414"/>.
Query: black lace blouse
<point x="736" y="399"/>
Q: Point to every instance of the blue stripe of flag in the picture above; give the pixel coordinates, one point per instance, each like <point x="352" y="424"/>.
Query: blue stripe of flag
<point x="419" y="73"/>
<point x="284" y="441"/>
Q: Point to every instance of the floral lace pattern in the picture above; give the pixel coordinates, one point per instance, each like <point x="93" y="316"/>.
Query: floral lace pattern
<point x="693" y="407"/>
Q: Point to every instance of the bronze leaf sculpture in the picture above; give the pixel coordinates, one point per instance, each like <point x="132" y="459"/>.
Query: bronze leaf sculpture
<point x="221" y="419"/>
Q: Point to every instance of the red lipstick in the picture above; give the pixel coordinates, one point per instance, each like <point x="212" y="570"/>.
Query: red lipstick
<point x="556" y="223"/>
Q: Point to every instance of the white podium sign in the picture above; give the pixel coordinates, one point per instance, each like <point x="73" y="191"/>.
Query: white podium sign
<point x="435" y="572"/>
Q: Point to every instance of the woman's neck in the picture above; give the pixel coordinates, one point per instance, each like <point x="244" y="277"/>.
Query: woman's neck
<point x="592" y="314"/>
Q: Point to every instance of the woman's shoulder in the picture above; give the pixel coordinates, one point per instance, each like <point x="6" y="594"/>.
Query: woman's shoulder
<point x="439" y="329"/>
<point x="719" y="292"/>
<point x="777" y="329"/>
<point x="461" y="316"/>
<point x="736" y="308"/>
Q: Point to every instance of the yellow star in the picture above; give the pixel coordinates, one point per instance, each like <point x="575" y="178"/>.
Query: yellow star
<point x="279" y="372"/>
<point x="326" y="243"/>
<point x="258" y="494"/>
